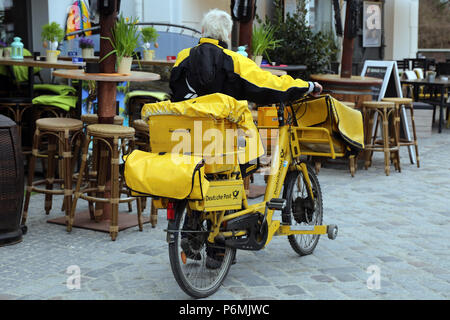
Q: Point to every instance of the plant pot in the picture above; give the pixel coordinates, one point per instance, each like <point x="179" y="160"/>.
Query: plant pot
<point x="87" y="53"/>
<point x="149" y="55"/>
<point x="124" y="65"/>
<point x="7" y="52"/>
<point x="52" y="55"/>
<point x="257" y="60"/>
<point x="1" y="53"/>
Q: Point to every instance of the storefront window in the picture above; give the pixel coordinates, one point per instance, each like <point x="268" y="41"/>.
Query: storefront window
<point x="6" y="20"/>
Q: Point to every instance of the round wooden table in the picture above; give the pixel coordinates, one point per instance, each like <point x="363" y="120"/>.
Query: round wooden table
<point x="356" y="89"/>
<point x="109" y="77"/>
<point x="107" y="111"/>
<point x="108" y="115"/>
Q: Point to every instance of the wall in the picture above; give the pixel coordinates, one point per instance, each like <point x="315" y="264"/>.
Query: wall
<point x="401" y="28"/>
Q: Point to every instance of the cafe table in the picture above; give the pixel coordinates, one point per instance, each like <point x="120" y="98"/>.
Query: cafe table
<point x="441" y="87"/>
<point x="82" y="219"/>
<point x="276" y="70"/>
<point x="135" y="61"/>
<point x="30" y="63"/>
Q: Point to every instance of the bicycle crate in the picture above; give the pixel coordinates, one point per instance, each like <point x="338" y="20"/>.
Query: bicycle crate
<point x="213" y="139"/>
<point x="326" y="128"/>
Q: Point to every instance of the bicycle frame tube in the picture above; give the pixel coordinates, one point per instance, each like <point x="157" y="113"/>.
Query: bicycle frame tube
<point x="281" y="164"/>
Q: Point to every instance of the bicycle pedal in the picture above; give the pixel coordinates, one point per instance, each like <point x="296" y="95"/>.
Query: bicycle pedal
<point x="276" y="204"/>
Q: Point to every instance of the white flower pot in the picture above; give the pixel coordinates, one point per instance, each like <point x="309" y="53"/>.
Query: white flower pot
<point x="52" y="55"/>
<point x="87" y="53"/>
<point x="258" y="60"/>
<point x="124" y="65"/>
<point x="149" y="55"/>
<point x="1" y="53"/>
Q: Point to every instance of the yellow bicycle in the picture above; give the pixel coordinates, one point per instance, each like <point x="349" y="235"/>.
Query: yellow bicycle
<point x="204" y="232"/>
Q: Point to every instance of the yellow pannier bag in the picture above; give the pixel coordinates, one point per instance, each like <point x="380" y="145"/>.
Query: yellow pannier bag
<point x="215" y="106"/>
<point x="341" y="125"/>
<point x="167" y="175"/>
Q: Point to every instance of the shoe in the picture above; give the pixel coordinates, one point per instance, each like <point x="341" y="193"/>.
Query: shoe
<point x="188" y="251"/>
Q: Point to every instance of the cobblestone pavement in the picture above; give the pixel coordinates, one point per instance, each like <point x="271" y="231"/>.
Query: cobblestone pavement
<point x="397" y="224"/>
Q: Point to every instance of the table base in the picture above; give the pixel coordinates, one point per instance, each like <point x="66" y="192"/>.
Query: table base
<point x="83" y="220"/>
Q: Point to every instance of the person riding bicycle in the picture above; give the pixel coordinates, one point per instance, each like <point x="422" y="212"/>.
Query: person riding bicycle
<point x="210" y="68"/>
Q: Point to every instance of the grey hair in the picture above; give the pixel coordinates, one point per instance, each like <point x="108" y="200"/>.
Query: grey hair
<point x="217" y="24"/>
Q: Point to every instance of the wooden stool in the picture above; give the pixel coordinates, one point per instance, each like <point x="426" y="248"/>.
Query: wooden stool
<point x="90" y="176"/>
<point x="348" y="104"/>
<point x="92" y="118"/>
<point x="61" y="135"/>
<point x="134" y="106"/>
<point x="383" y="111"/>
<point x="142" y="137"/>
<point x="143" y="143"/>
<point x="16" y="108"/>
<point x="407" y="103"/>
<point x="107" y="137"/>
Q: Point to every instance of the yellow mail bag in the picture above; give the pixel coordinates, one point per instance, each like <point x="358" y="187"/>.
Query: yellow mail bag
<point x="167" y="175"/>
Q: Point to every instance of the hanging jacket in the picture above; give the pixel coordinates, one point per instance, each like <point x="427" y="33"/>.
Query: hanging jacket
<point x="209" y="68"/>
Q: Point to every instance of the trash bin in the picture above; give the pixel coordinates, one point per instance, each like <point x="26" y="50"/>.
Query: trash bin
<point x="11" y="183"/>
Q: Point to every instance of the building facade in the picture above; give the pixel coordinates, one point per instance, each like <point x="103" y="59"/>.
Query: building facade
<point x="400" y="20"/>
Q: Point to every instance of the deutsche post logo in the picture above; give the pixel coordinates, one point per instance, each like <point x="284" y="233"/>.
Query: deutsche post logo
<point x="235" y="194"/>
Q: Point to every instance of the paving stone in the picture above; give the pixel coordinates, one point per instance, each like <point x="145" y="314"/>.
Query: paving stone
<point x="398" y="223"/>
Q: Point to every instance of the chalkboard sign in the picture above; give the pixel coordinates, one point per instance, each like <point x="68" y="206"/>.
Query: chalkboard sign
<point x="391" y="87"/>
<point x="386" y="70"/>
<point x="376" y="72"/>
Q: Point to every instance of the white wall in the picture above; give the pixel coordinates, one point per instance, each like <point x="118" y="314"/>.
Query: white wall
<point x="401" y="29"/>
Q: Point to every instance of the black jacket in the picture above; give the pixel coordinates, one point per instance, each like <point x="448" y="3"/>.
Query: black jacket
<point x="210" y="68"/>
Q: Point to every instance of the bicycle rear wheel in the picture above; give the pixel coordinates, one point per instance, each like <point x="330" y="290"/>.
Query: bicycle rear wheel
<point x="198" y="266"/>
<point x="301" y="210"/>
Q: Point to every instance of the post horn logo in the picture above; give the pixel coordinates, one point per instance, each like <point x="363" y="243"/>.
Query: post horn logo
<point x="235" y="194"/>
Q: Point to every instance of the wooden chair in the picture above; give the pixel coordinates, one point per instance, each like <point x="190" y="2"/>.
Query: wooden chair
<point x="61" y="136"/>
<point x="407" y="103"/>
<point x="385" y="113"/>
<point x="91" y="175"/>
<point x="108" y="137"/>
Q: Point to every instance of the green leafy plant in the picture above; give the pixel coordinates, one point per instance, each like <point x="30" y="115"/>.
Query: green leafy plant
<point x="125" y="38"/>
<point x="149" y="35"/>
<point x="263" y="39"/>
<point x="51" y="32"/>
<point x="299" y="44"/>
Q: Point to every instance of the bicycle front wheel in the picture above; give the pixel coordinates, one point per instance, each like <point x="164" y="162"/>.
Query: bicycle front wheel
<point x="301" y="210"/>
<point x="198" y="266"/>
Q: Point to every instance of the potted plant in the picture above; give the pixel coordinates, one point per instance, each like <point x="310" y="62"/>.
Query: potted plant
<point x="125" y="39"/>
<point x="149" y="36"/>
<point x="87" y="47"/>
<point x="263" y="40"/>
<point x="52" y="34"/>
<point x="3" y="45"/>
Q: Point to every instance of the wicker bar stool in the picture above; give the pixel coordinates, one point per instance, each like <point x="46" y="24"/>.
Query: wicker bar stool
<point x="407" y="103"/>
<point x="348" y="104"/>
<point x="92" y="118"/>
<point x="385" y="113"/>
<point x="16" y="107"/>
<point x="90" y="176"/>
<point x="143" y="143"/>
<point x="61" y="134"/>
<point x="107" y="137"/>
